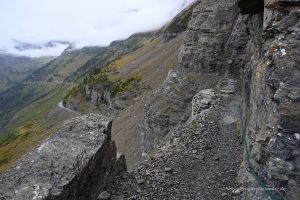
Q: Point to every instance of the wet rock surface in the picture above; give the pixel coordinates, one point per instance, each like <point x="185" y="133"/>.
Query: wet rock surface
<point x="198" y="160"/>
<point x="74" y="163"/>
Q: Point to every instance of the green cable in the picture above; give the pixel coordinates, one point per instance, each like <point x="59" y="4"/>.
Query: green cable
<point x="249" y="164"/>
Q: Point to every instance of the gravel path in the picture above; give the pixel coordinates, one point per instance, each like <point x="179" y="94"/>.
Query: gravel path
<point x="200" y="161"/>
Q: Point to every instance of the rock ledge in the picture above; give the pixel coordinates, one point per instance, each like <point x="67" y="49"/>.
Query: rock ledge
<point x="77" y="162"/>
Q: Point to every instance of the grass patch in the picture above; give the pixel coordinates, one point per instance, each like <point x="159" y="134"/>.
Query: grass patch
<point x="124" y="86"/>
<point x="82" y="107"/>
<point x="3" y="160"/>
<point x="26" y="135"/>
<point x="126" y="59"/>
<point x="10" y="136"/>
<point x="32" y="111"/>
<point x="27" y="130"/>
<point x="194" y="123"/>
<point x="28" y="125"/>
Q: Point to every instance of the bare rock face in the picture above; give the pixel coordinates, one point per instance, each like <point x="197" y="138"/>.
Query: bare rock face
<point x="227" y="86"/>
<point x="74" y="163"/>
<point x="258" y="41"/>
<point x="200" y="58"/>
<point x="271" y="91"/>
<point x="169" y="107"/>
<point x="202" y="100"/>
<point x="209" y="29"/>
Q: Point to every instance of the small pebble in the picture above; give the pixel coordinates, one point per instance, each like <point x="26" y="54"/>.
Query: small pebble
<point x="104" y="195"/>
<point x="168" y="169"/>
<point x="238" y="191"/>
<point x="224" y="194"/>
<point x="140" y="181"/>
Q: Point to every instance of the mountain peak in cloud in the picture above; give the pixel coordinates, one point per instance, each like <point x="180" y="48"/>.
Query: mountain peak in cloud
<point x="23" y="46"/>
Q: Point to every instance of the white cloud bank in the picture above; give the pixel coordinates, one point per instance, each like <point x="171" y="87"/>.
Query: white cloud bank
<point x="82" y="22"/>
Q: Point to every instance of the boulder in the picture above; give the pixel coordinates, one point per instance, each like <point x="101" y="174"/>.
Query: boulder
<point x="76" y="162"/>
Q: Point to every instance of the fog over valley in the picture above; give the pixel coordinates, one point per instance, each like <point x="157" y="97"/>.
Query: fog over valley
<point x="45" y="28"/>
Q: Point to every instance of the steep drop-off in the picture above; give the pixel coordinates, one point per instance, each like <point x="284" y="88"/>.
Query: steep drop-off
<point x="256" y="42"/>
<point x="124" y="86"/>
<point x="29" y="111"/>
<point x="223" y="121"/>
<point x="77" y="162"/>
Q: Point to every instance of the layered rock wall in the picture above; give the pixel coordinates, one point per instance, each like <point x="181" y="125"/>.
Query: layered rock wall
<point x="257" y="41"/>
<point x="209" y="31"/>
<point x="77" y="162"/>
<point x="202" y="62"/>
<point x="271" y="94"/>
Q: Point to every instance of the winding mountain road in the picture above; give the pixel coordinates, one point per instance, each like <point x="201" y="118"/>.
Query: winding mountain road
<point x="61" y="105"/>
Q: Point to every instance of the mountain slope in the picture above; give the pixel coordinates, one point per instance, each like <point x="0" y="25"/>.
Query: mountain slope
<point x="70" y="66"/>
<point x="14" y="69"/>
<point x="63" y="66"/>
<point x="136" y="67"/>
<point x="29" y="111"/>
<point x="110" y="53"/>
<point x="122" y="87"/>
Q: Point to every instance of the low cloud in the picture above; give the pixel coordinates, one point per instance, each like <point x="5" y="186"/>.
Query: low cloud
<point x="81" y="22"/>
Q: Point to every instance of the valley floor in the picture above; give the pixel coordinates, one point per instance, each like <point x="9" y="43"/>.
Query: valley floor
<point x="200" y="160"/>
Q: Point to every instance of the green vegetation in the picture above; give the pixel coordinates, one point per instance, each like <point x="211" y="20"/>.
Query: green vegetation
<point x="101" y="78"/>
<point x="26" y="135"/>
<point x="14" y="69"/>
<point x="82" y="106"/>
<point x="28" y="128"/>
<point x="123" y="86"/>
<point x="3" y="160"/>
<point x="109" y="54"/>
<point x="28" y="125"/>
<point x="194" y="123"/>
<point x="7" y="137"/>
<point x="32" y="111"/>
<point x="23" y="106"/>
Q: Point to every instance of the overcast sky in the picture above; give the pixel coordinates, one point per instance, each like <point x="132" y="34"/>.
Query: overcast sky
<point x="82" y="22"/>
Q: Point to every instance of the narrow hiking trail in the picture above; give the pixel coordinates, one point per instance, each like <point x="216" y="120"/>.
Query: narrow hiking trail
<point x="200" y="160"/>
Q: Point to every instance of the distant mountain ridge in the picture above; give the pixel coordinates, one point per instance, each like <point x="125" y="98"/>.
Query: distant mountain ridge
<point x="23" y="46"/>
<point x="70" y="67"/>
<point x="138" y="63"/>
<point x="14" y="69"/>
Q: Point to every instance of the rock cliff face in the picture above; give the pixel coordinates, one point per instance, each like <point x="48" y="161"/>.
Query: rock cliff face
<point x="197" y="111"/>
<point x="271" y="91"/>
<point x="257" y="41"/>
<point x="74" y="163"/>
<point x="201" y="56"/>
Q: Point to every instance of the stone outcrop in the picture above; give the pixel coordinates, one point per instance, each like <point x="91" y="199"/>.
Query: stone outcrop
<point x="201" y="56"/>
<point x="257" y="41"/>
<point x="198" y="160"/>
<point x="77" y="162"/>
<point x="271" y="91"/>
<point x="169" y="107"/>
<point x="202" y="100"/>
<point x="209" y="30"/>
